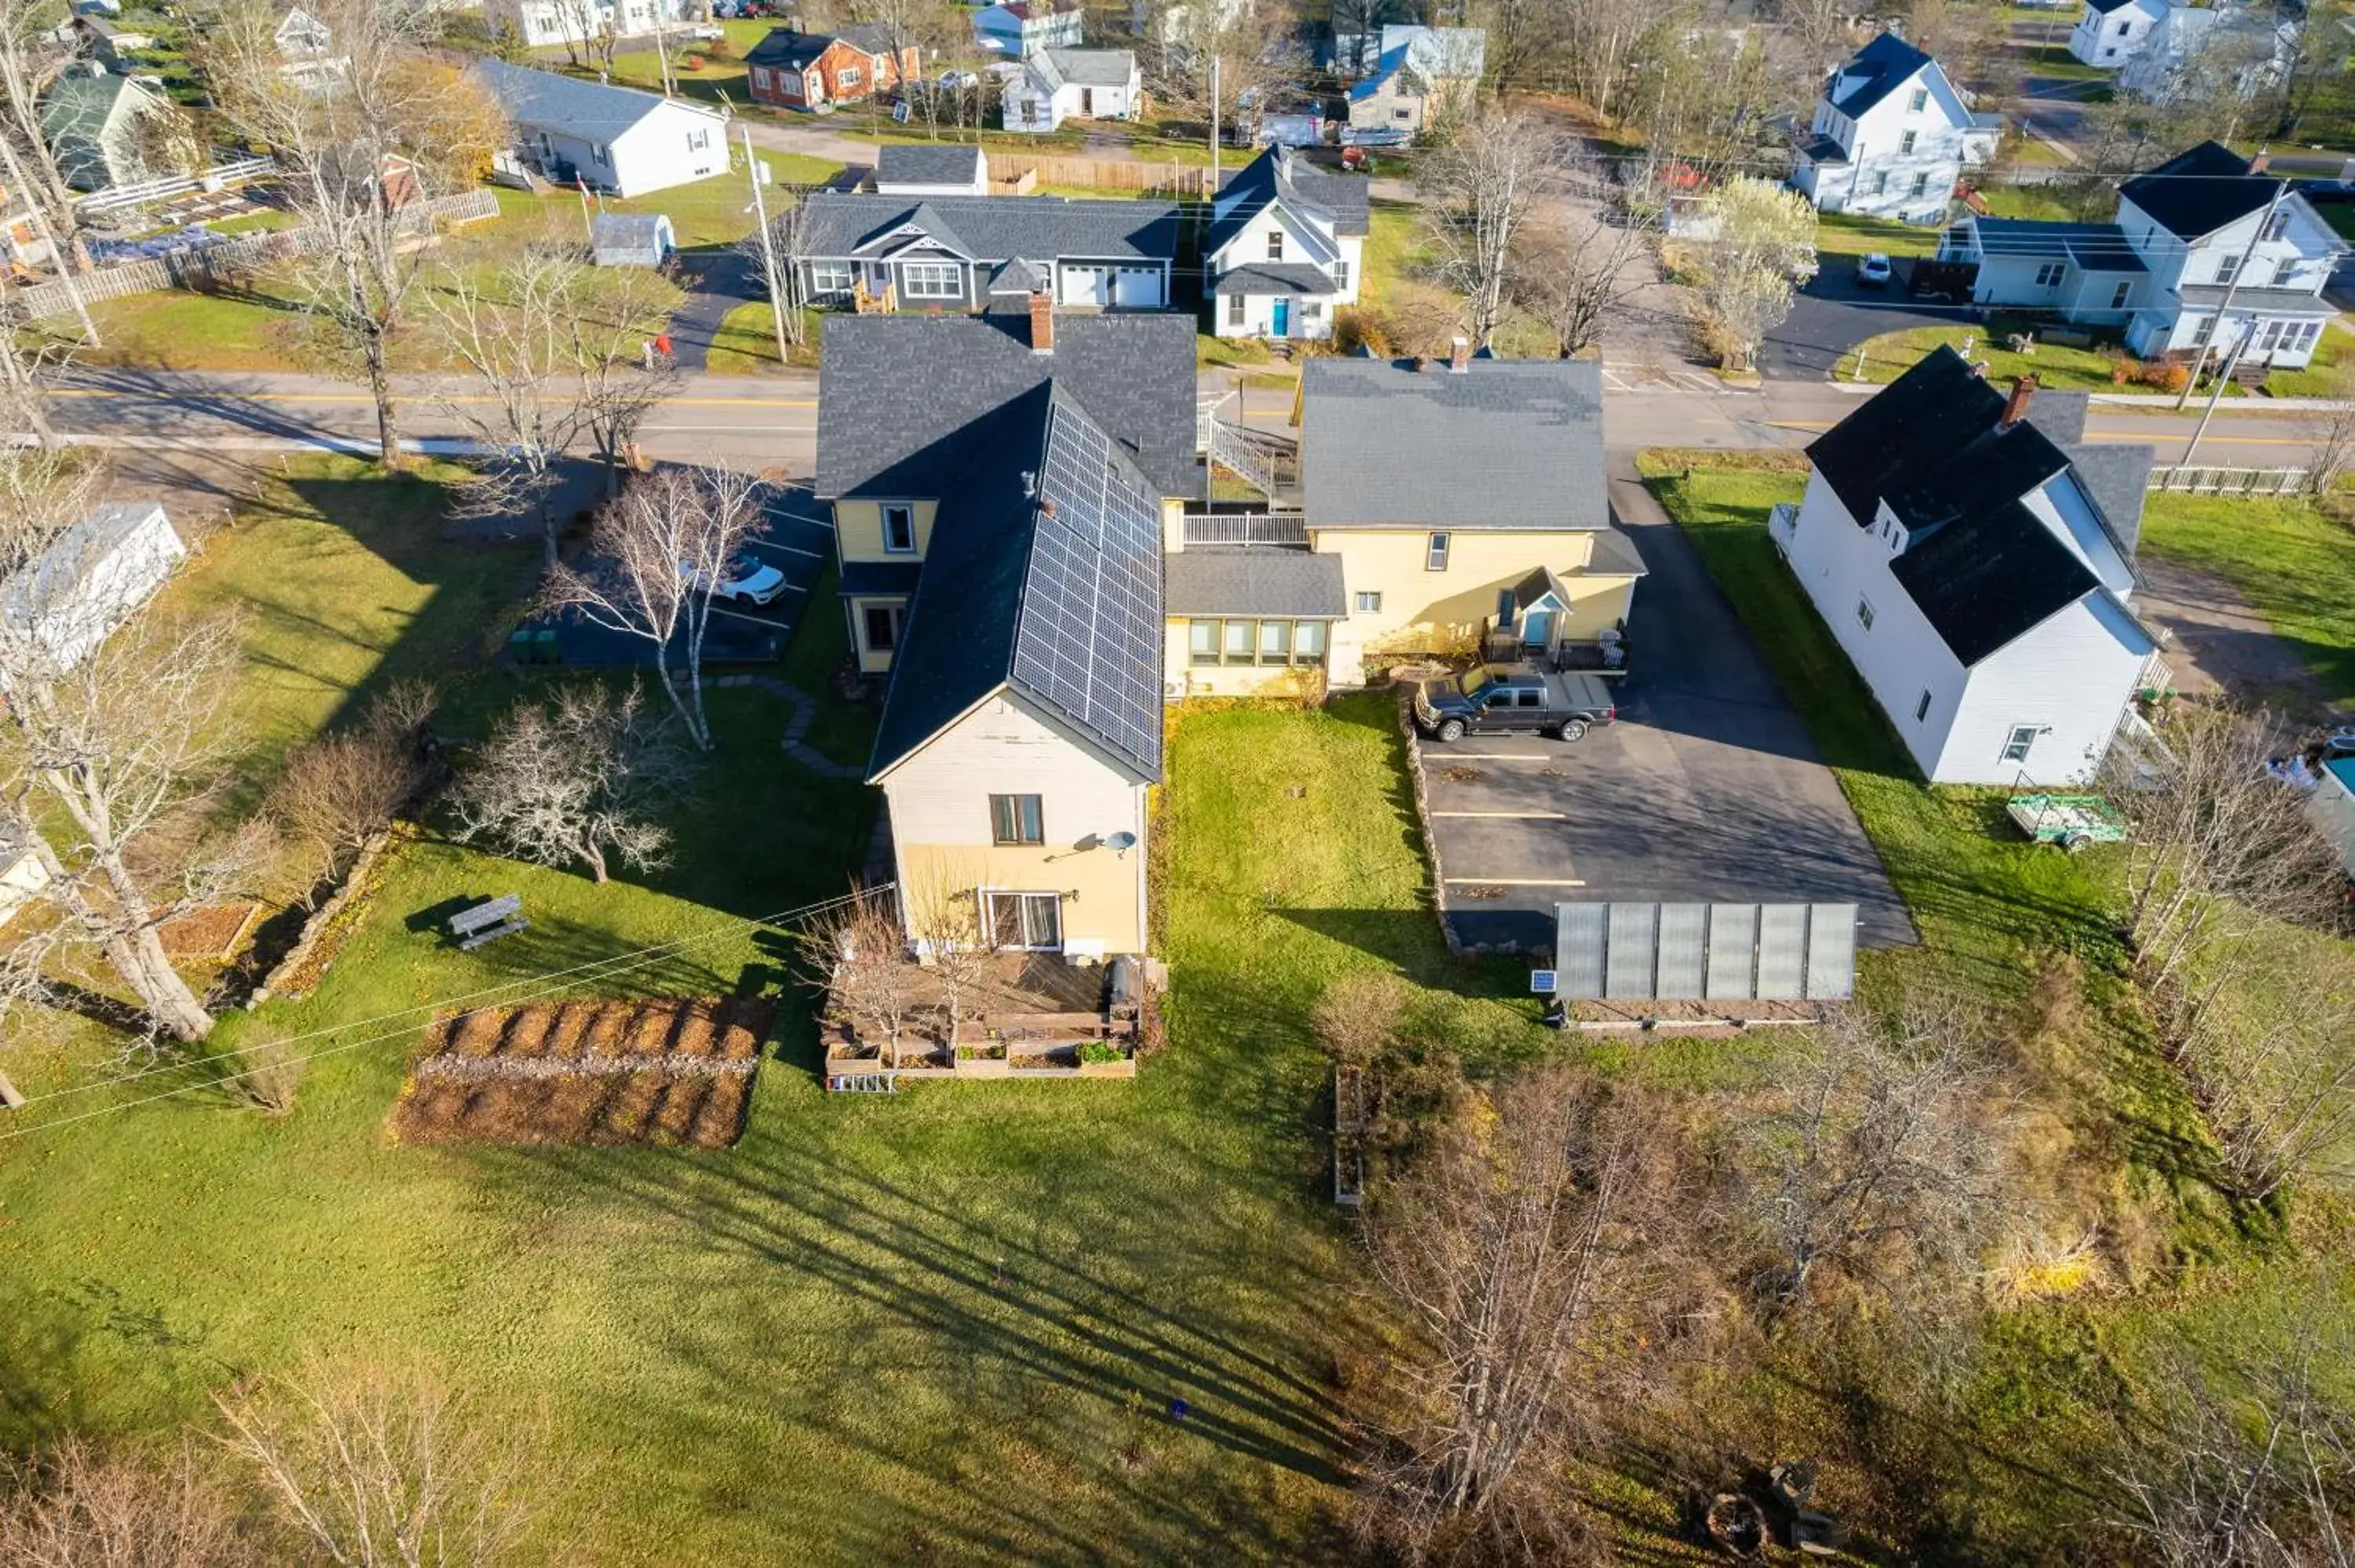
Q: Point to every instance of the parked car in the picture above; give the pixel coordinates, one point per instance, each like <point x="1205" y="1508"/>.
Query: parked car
<point x="746" y="581"/>
<point x="1873" y="272"/>
<point x="706" y="33"/>
<point x="1512" y="699"/>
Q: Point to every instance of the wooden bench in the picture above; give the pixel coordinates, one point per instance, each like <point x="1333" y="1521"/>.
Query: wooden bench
<point x="487" y="922"/>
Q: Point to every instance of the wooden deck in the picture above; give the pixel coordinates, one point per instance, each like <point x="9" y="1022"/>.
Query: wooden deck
<point x="1029" y="1016"/>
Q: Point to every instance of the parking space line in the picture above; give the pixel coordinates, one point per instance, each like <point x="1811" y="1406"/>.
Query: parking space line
<point x="1492" y="756"/>
<point x="1511" y="816"/>
<point x="1517" y="881"/>
<point x="789" y="549"/>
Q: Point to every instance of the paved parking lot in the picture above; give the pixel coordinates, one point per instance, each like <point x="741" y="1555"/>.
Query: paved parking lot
<point x="1706" y="788"/>
<point x="799" y="543"/>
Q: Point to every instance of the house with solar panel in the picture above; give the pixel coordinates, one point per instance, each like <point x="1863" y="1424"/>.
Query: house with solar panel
<point x="1973" y="556"/>
<point x="1448" y="506"/>
<point x="1889" y="137"/>
<point x="1001" y="485"/>
<point x="2207" y="250"/>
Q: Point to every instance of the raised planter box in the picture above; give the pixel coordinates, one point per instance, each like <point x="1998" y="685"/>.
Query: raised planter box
<point x="1108" y="1069"/>
<point x="982" y="1066"/>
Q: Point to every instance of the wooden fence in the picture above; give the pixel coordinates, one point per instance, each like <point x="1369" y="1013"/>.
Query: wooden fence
<point x="200" y="266"/>
<point x="1146" y="179"/>
<point x="2230" y="481"/>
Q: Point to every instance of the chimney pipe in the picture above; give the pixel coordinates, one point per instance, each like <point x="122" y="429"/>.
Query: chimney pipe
<point x="2263" y="160"/>
<point x="1042" y="321"/>
<point x="1459" y="354"/>
<point x="1047" y="507"/>
<point x="2022" y="389"/>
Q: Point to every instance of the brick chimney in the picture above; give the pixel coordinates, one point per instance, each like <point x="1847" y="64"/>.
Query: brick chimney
<point x="2022" y="389"/>
<point x="1042" y="321"/>
<point x="1459" y="354"/>
<point x="1047" y="507"/>
<point x="2258" y="164"/>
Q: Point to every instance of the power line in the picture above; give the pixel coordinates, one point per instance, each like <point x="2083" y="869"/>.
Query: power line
<point x="612" y="965"/>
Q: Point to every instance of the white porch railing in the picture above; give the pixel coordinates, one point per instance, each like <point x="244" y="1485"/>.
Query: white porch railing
<point x="146" y="191"/>
<point x="1283" y="530"/>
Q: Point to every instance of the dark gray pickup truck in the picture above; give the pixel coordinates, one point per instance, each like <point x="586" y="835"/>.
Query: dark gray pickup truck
<point x="1512" y="699"/>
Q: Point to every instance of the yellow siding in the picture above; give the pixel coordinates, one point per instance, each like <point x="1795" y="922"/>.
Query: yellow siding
<point x="1099" y="889"/>
<point x="1231" y="680"/>
<point x="1443" y="611"/>
<point x="859" y="530"/>
<point x="1173" y="526"/>
<point x="871" y="662"/>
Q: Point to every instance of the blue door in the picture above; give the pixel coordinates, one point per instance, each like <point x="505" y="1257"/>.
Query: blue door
<point x="1537" y="628"/>
<point x="1283" y="318"/>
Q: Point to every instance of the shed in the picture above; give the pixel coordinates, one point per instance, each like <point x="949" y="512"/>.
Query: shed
<point x="91" y="579"/>
<point x="23" y="876"/>
<point x="631" y="240"/>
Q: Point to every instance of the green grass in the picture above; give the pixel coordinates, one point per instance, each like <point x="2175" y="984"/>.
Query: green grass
<point x="2294" y="565"/>
<point x="1423" y="313"/>
<point x="1229" y="351"/>
<point x="2055" y="60"/>
<point x="2327" y="375"/>
<point x="2035" y="202"/>
<point x="1847" y="236"/>
<point x="746" y="343"/>
<point x="1893" y="354"/>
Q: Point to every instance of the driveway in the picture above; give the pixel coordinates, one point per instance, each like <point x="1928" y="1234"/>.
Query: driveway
<point x="1706" y="788"/>
<point x="1834" y="314"/>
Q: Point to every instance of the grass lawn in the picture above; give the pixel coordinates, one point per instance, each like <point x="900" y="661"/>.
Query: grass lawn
<point x="1421" y="312"/>
<point x="1893" y="354"/>
<point x="1848" y="237"/>
<point x="2325" y="376"/>
<point x="746" y="343"/>
<point x="1209" y="350"/>
<point x="2036" y="153"/>
<point x="2036" y="202"/>
<point x="2055" y="60"/>
<point x="717" y="81"/>
<point x="2294" y="564"/>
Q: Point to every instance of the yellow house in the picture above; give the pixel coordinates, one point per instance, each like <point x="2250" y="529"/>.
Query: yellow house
<point x="998" y="491"/>
<point x="1457" y="506"/>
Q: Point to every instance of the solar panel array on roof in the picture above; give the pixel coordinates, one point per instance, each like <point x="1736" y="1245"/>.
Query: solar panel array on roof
<point x="1090" y="637"/>
<point x="1704" y="952"/>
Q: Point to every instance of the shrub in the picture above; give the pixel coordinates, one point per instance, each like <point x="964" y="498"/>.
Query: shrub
<point x="2166" y="376"/>
<point x="720" y="49"/>
<point x="264" y="1077"/>
<point x="1356" y="327"/>
<point x="693" y="62"/>
<point x="1101" y="1051"/>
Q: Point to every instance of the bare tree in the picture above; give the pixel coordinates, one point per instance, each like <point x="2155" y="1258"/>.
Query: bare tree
<point x="340" y="790"/>
<point x="32" y="58"/>
<point x="1535" y="1253"/>
<point x="399" y="127"/>
<point x="2332" y="431"/>
<point x="955" y="939"/>
<point x="2265" y="1034"/>
<point x="1480" y="190"/>
<point x="778" y="259"/>
<point x="857" y="953"/>
<point x="1765" y="243"/>
<point x="379" y="1468"/>
<point x="1576" y="271"/>
<point x="655" y="557"/>
<point x="1881" y="1164"/>
<point x="581" y="779"/>
<point x="77" y="1505"/>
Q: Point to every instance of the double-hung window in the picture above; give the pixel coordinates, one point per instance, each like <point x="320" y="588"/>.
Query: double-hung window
<point x="1276" y="245"/>
<point x="1017" y="820"/>
<point x="1920" y="100"/>
<point x="1435" y="555"/>
<point x="899" y="528"/>
<point x="1920" y="184"/>
<point x="2119" y="296"/>
<point x="2228" y="267"/>
<point x="929" y="281"/>
<point x="832" y="277"/>
<point x="1369" y="603"/>
<point x="2285" y="272"/>
<point x="1864" y="612"/>
<point x="1340" y="277"/>
<point x="1236" y="304"/>
<point x="881" y="624"/>
<point x="1905" y="143"/>
<point x="2050" y="274"/>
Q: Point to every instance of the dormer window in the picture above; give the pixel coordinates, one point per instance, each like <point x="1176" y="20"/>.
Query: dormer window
<point x="1276" y="245"/>
<point x="1921" y="101"/>
<point x="898" y="529"/>
<point x="2277" y="225"/>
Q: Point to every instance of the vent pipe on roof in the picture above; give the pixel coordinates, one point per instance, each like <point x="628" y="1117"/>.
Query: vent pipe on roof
<point x="2022" y="389"/>
<point x="1459" y="354"/>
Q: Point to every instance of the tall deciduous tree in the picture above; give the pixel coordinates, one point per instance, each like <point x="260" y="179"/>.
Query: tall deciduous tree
<point x="580" y="777"/>
<point x="397" y="127"/>
<point x="1481" y="189"/>
<point x="1764" y="244"/>
<point x="31" y="59"/>
<point x="1577" y="271"/>
<point x="654" y="558"/>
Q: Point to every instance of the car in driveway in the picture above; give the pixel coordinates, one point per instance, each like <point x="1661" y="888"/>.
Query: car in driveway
<point x="1512" y="699"/>
<point x="745" y="581"/>
<point x="1873" y="272"/>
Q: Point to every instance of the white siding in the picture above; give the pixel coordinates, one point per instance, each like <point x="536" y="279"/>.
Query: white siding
<point x="2072" y="675"/>
<point x="941" y="795"/>
<point x="1880" y="176"/>
<point x="672" y="147"/>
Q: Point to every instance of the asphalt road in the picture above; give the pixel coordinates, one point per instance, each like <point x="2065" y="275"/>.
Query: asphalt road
<point x="1834" y="314"/>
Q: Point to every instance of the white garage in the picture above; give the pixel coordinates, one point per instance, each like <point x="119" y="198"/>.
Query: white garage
<point x="1107" y="284"/>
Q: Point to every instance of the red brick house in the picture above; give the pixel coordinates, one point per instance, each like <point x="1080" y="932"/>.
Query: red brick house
<point x="802" y="70"/>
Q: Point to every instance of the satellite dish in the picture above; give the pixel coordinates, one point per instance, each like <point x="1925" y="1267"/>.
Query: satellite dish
<point x="1121" y="844"/>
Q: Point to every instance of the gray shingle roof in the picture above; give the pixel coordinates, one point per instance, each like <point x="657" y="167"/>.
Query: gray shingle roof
<point x="1084" y="68"/>
<point x="998" y="228"/>
<point x="1281" y="174"/>
<point x="561" y="102"/>
<point x="927" y="165"/>
<point x="1274" y="278"/>
<point x="1303" y="584"/>
<point x="1505" y="444"/>
<point x="2116" y="480"/>
<point x="1886" y="64"/>
<point x="907" y="404"/>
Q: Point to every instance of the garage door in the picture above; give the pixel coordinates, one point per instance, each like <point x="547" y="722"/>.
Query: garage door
<point x="1138" y="288"/>
<point x="1087" y="285"/>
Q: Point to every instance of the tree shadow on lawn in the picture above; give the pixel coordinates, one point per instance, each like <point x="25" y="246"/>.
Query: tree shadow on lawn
<point x="995" y="1315"/>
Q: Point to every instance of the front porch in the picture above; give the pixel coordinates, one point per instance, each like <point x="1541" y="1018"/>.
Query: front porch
<point x="1023" y="1015"/>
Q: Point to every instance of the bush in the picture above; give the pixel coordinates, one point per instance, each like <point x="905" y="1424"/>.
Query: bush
<point x="264" y="1076"/>
<point x="2166" y="376"/>
<point x="1101" y="1051"/>
<point x="692" y="62"/>
<point x="720" y="49"/>
<point x="1356" y="327"/>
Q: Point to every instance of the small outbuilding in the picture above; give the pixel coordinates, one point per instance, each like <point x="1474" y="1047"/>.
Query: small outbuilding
<point x="633" y="240"/>
<point x="91" y="579"/>
<point x="23" y="876"/>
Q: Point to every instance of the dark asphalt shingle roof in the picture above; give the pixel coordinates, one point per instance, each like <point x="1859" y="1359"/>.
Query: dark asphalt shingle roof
<point x="795" y="49"/>
<point x="1887" y="64"/>
<point x="592" y="109"/>
<point x="2116" y="480"/>
<point x="1084" y="68"/>
<point x="1303" y="584"/>
<point x="1279" y="173"/>
<point x="1511" y="443"/>
<point x="2092" y="247"/>
<point x="909" y="404"/>
<point x="879" y="576"/>
<point x="2195" y="194"/>
<point x="1274" y="278"/>
<point x="922" y="165"/>
<point x="997" y="229"/>
<point x="1980" y="564"/>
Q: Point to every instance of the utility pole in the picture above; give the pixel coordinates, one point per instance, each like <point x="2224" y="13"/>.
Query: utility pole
<point x="661" y="56"/>
<point x="1214" y="126"/>
<point x="2223" y="379"/>
<point x="778" y="303"/>
<point x="2215" y="330"/>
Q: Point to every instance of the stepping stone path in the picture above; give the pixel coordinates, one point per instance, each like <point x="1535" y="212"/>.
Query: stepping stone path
<point x="804" y="706"/>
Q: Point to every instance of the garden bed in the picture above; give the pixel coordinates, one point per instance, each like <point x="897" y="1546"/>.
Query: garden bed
<point x="669" y="1070"/>
<point x="213" y="932"/>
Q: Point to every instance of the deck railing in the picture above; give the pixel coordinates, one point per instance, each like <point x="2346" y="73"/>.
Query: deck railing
<point x="1280" y="530"/>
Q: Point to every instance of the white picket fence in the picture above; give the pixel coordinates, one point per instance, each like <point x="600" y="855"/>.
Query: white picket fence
<point x="222" y="172"/>
<point x="200" y="266"/>
<point x="2230" y="480"/>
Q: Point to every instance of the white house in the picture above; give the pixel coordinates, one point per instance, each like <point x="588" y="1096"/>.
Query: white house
<point x="89" y="581"/>
<point x="1974" y="558"/>
<point x="2197" y="52"/>
<point x="543" y="23"/>
<point x="615" y="138"/>
<point x="923" y="168"/>
<point x="1421" y="75"/>
<point x="1889" y="137"/>
<point x="102" y="130"/>
<point x="1286" y="248"/>
<point x="1020" y="29"/>
<point x="2201" y="226"/>
<point x="1056" y="84"/>
<point x="23" y="876"/>
<point x="2111" y="31"/>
